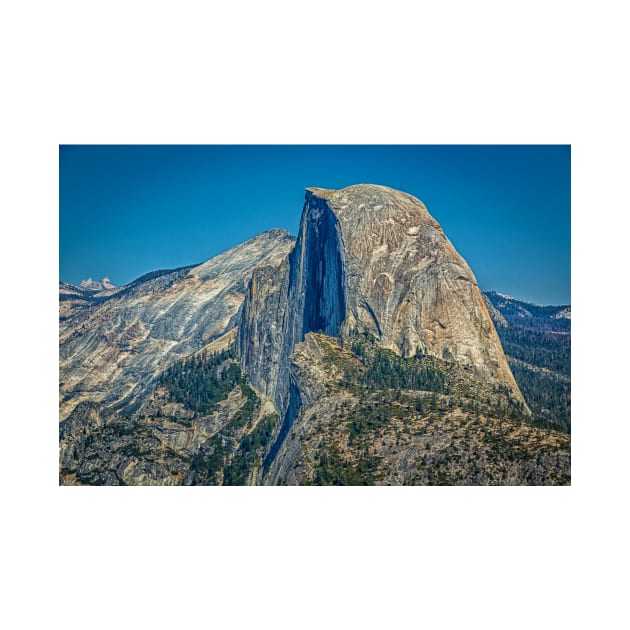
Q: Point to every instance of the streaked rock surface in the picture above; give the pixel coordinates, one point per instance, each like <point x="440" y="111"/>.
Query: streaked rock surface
<point x="112" y="346"/>
<point x="372" y="258"/>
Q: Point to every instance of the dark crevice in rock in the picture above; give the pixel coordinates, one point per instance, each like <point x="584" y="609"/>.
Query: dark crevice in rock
<point x="370" y="310"/>
<point x="322" y="273"/>
<point x="304" y="294"/>
<point x="293" y="409"/>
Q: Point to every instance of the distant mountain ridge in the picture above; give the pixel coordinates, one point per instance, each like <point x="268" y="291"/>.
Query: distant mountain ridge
<point x="537" y="342"/>
<point x="95" y="285"/>
<point x="530" y="316"/>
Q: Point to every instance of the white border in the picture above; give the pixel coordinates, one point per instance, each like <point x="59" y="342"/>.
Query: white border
<point x="343" y="72"/>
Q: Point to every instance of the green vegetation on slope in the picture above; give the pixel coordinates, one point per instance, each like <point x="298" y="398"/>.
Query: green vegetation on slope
<point x="541" y="364"/>
<point x="543" y="349"/>
<point x="367" y="367"/>
<point x="200" y="382"/>
<point x="213" y="463"/>
<point x="386" y="370"/>
<point x="249" y="453"/>
<point x="380" y="368"/>
<point x="230" y="455"/>
<point x="537" y="344"/>
<point x="362" y="434"/>
<point x="106" y="448"/>
<point x="547" y="394"/>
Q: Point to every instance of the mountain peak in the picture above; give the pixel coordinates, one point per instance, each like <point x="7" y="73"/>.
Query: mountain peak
<point x="274" y="233"/>
<point x="371" y="209"/>
<point x="94" y="285"/>
<point x="373" y="193"/>
<point x="370" y="258"/>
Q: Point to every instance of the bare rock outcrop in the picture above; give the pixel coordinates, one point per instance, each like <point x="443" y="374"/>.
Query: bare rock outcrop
<point x="111" y="348"/>
<point x="404" y="281"/>
<point x="371" y="258"/>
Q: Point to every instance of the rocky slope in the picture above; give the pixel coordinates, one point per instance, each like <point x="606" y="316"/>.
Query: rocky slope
<point x="353" y="431"/>
<point x="113" y="346"/>
<point x="172" y="440"/>
<point x="367" y="416"/>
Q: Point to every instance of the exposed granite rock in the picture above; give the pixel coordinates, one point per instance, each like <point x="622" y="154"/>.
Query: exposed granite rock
<point x="494" y="313"/>
<point x="164" y="445"/>
<point x="404" y="281"/>
<point x="372" y="258"/>
<point x="112" y="347"/>
<point x="262" y="342"/>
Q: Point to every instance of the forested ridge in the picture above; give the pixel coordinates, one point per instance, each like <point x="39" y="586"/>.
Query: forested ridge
<point x="537" y="342"/>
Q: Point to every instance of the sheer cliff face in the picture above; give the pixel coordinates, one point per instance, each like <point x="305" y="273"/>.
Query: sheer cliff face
<point x="261" y="340"/>
<point x="317" y="274"/>
<point x="112" y="348"/>
<point x="405" y="282"/>
<point x="372" y="258"/>
<point x="366" y="257"/>
<point x="304" y="293"/>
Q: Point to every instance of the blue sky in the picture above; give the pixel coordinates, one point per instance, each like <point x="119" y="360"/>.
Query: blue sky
<point x="127" y="210"/>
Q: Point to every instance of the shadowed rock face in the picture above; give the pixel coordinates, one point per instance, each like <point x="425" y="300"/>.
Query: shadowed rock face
<point x="113" y="346"/>
<point x="318" y="275"/>
<point x="372" y="258"/>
